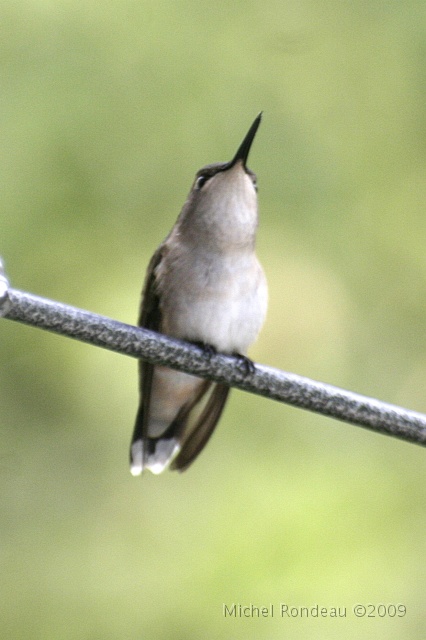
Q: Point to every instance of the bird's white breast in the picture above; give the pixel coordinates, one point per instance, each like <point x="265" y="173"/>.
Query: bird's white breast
<point x="222" y="303"/>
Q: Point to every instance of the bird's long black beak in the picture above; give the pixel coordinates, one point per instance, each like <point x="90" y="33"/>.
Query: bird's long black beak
<point x="244" y="148"/>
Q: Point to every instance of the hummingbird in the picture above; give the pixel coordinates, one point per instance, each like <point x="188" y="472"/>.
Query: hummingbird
<point x="205" y="285"/>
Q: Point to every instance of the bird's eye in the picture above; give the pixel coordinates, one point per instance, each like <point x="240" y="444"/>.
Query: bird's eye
<point x="200" y="182"/>
<point x="254" y="180"/>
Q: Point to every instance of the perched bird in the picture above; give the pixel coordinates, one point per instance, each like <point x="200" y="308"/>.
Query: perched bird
<point x="204" y="284"/>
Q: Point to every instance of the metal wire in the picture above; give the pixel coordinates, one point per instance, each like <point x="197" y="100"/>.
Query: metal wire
<point x="159" y="349"/>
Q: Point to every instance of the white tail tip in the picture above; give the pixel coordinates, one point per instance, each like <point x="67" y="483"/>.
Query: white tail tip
<point x="156" y="462"/>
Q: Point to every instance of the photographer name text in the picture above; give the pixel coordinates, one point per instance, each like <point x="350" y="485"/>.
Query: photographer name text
<point x="288" y="611"/>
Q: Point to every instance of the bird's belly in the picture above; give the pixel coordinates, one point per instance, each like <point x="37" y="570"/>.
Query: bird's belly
<point x="226" y="311"/>
<point x="228" y="325"/>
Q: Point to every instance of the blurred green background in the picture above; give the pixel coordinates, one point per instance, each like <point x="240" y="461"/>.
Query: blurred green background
<point x="107" y="110"/>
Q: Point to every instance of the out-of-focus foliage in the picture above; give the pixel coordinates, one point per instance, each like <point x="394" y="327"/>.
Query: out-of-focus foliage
<point x="107" y="110"/>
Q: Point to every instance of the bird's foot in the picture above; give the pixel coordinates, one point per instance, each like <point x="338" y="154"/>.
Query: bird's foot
<point x="208" y="349"/>
<point x="245" y="363"/>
